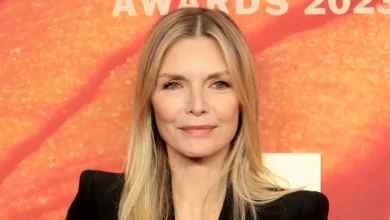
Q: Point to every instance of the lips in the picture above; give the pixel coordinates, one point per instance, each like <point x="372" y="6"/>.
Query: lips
<point x="197" y="130"/>
<point x="192" y="127"/>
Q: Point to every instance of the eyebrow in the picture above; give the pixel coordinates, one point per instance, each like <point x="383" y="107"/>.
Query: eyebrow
<point x="181" y="77"/>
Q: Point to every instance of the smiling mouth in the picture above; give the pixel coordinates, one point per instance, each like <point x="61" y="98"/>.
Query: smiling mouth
<point x="198" y="130"/>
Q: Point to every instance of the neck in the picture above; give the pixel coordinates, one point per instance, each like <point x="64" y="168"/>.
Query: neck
<point x="197" y="186"/>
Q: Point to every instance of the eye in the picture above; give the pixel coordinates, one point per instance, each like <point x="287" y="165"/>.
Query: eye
<point x="221" y="84"/>
<point x="171" y="85"/>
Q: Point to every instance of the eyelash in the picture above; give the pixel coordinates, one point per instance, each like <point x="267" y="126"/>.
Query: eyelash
<point x="166" y="86"/>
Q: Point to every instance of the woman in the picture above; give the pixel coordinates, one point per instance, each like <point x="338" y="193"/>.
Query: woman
<point x="195" y="151"/>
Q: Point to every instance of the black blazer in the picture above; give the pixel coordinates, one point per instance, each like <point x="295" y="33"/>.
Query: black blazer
<point x="99" y="193"/>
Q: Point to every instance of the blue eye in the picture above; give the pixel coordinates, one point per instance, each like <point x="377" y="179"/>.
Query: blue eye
<point x="171" y="85"/>
<point x="175" y="85"/>
<point x="221" y="84"/>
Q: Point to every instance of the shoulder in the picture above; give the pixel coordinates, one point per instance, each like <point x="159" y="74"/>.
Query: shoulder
<point x="101" y="179"/>
<point x="105" y="185"/>
<point x="307" y="199"/>
<point x="97" y="189"/>
<point x="303" y="205"/>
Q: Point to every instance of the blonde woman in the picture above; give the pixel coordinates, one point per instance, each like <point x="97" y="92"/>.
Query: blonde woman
<point x="195" y="151"/>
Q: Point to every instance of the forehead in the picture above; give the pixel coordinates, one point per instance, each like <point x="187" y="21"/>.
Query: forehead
<point x="194" y="55"/>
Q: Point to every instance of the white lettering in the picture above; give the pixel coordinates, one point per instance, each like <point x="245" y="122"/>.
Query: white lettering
<point x="150" y="5"/>
<point x="128" y="6"/>
<point x="345" y="4"/>
<point x="220" y="3"/>
<point x="192" y="3"/>
<point x="386" y="9"/>
<point x="314" y="9"/>
<point x="282" y="4"/>
<point x="240" y="9"/>
<point x="362" y="8"/>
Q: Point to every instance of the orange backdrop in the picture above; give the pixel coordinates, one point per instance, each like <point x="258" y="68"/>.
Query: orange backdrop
<point x="67" y="69"/>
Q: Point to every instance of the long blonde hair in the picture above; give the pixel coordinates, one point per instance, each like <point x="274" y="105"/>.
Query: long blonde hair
<point x="146" y="193"/>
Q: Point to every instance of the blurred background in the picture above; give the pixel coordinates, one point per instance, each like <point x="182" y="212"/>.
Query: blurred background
<point x="67" y="73"/>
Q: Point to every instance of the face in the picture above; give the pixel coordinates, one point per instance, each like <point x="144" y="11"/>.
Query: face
<point x="195" y="107"/>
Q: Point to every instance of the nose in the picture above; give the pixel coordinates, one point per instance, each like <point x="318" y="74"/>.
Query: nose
<point x="197" y="103"/>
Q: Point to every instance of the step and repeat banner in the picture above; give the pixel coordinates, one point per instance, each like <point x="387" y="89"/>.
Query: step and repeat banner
<point x="67" y="73"/>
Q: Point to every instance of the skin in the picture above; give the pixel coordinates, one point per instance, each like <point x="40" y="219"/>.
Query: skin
<point x="194" y="88"/>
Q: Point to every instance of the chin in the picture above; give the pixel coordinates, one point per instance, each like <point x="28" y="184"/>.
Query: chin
<point x="197" y="149"/>
<point x="201" y="153"/>
<point x="198" y="155"/>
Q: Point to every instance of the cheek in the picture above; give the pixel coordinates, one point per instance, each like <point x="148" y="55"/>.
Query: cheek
<point x="165" y="111"/>
<point x="226" y="109"/>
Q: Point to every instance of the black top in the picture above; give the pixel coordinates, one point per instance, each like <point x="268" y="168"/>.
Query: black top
<point x="99" y="193"/>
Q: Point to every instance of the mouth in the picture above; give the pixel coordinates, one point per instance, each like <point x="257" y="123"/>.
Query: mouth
<point x="198" y="130"/>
